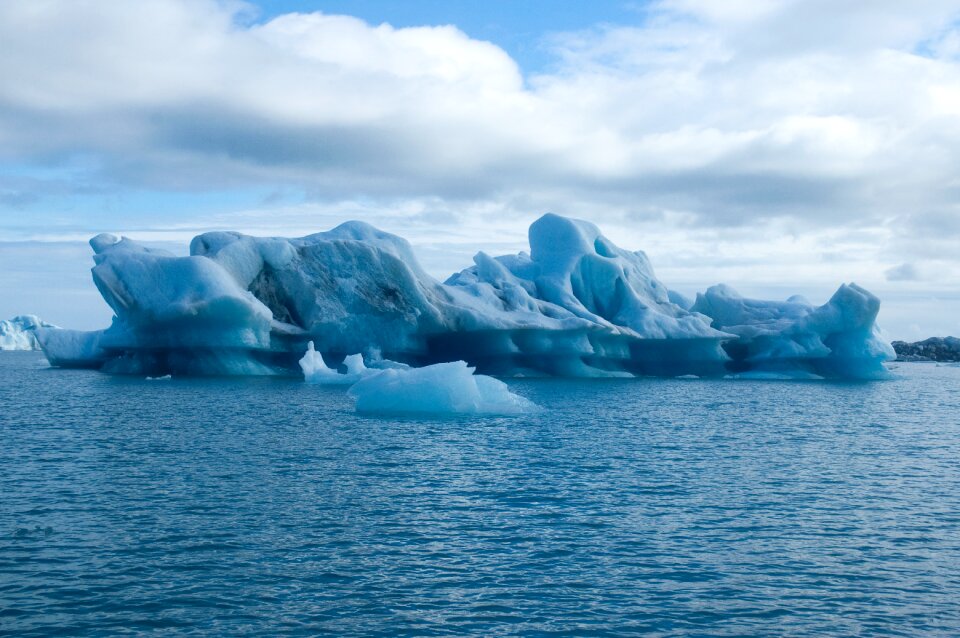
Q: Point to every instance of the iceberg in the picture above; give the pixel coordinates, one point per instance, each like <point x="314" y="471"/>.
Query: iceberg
<point x="19" y="333"/>
<point x="442" y="388"/>
<point x="315" y="369"/>
<point x="574" y="305"/>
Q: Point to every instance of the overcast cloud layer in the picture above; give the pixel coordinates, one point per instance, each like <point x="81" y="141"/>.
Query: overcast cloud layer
<point x="770" y="144"/>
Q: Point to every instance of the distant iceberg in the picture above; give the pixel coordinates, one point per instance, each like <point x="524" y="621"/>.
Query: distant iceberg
<point x="442" y="388"/>
<point x="18" y="333"/>
<point x="575" y="305"/>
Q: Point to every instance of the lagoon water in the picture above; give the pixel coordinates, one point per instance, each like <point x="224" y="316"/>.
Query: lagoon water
<point x="672" y="507"/>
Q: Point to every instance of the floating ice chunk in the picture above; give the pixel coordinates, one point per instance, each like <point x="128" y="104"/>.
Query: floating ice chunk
<point x="165" y="377"/>
<point x="354" y="365"/>
<point x="442" y="388"/>
<point x="315" y="369"/>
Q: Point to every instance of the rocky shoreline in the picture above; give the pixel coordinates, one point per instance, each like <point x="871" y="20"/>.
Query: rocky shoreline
<point x="944" y="349"/>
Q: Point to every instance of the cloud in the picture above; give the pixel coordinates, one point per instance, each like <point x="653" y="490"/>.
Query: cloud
<point x="903" y="272"/>
<point x="159" y="89"/>
<point x="174" y="94"/>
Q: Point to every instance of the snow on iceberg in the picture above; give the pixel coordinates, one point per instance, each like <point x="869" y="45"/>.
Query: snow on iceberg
<point x="575" y="305"/>
<point x="18" y="333"/>
<point x="442" y="388"/>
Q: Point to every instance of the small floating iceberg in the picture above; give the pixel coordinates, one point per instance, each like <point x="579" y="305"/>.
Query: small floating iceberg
<point x="443" y="388"/>
<point x="315" y="369"/>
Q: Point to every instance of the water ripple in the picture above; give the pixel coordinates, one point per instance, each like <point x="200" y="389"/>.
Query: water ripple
<point x="669" y="508"/>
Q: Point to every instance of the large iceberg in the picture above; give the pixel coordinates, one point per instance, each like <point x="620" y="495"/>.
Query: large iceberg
<point x="575" y="305"/>
<point x="18" y="333"/>
<point x="442" y="388"/>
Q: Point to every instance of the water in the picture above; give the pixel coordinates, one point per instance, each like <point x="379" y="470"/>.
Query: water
<point x="674" y="507"/>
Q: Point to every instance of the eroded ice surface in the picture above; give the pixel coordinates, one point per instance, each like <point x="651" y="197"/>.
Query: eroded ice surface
<point x="18" y="333"/>
<point x="575" y="305"/>
<point x="442" y="388"/>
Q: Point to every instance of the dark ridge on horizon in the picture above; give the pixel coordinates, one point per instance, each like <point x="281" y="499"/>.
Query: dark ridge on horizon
<point x="943" y="349"/>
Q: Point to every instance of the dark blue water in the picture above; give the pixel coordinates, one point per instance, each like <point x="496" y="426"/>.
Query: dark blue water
<point x="260" y="506"/>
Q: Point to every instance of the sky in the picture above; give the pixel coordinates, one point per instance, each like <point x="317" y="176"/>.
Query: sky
<point x="778" y="146"/>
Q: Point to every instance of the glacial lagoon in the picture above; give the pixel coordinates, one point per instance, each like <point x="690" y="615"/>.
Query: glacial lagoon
<point x="253" y="506"/>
